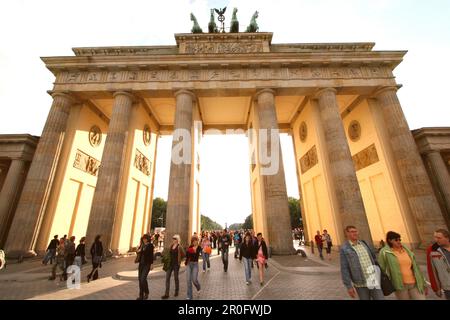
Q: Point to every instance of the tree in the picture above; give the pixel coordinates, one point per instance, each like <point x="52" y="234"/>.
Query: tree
<point x="295" y="213"/>
<point x="207" y="224"/>
<point x="159" y="211"/>
<point x="248" y="223"/>
<point x="235" y="226"/>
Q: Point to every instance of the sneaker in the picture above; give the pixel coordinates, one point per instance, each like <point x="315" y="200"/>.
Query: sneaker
<point x="247" y="282"/>
<point x="204" y="271"/>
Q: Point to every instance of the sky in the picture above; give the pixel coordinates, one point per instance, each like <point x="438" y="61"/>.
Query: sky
<point x="33" y="29"/>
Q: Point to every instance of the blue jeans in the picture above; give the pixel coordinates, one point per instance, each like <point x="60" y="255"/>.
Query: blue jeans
<point x="143" y="271"/>
<point x="175" y="269"/>
<point x="247" y="268"/>
<point x="205" y="257"/>
<point x="192" y="278"/>
<point x="50" y="255"/>
<point x="320" y="249"/>
<point x="370" y="294"/>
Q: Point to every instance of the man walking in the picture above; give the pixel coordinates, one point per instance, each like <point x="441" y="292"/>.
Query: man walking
<point x="225" y="241"/>
<point x="319" y="243"/>
<point x="438" y="263"/>
<point x="237" y="243"/>
<point x="359" y="270"/>
<point x="51" y="251"/>
<point x="69" y="255"/>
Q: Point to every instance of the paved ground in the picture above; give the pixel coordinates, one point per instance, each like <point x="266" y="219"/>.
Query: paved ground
<point x="29" y="281"/>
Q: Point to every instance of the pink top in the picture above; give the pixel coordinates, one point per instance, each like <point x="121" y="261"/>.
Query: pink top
<point x="260" y="258"/>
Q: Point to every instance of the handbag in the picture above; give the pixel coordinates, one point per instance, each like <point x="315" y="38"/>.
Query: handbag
<point x="138" y="257"/>
<point x="386" y="284"/>
<point x="207" y="250"/>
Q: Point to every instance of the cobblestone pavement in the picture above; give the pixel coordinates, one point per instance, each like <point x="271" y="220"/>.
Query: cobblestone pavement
<point x="20" y="282"/>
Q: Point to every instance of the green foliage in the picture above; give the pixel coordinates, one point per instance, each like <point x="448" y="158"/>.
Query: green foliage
<point x="207" y="224"/>
<point x="248" y="223"/>
<point x="235" y="226"/>
<point x="159" y="210"/>
<point x="295" y="213"/>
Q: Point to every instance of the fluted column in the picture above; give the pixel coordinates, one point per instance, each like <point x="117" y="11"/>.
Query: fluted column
<point x="276" y="205"/>
<point x="178" y="210"/>
<point x="441" y="174"/>
<point x="104" y="203"/>
<point x="343" y="175"/>
<point x="415" y="180"/>
<point x="32" y="204"/>
<point x="11" y="186"/>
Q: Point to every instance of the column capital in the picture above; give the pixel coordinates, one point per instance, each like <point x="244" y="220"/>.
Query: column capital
<point x="265" y="90"/>
<point x="127" y="94"/>
<point x="431" y="152"/>
<point x="321" y="91"/>
<point x="188" y="92"/>
<point x="64" y="94"/>
<point x="381" y="90"/>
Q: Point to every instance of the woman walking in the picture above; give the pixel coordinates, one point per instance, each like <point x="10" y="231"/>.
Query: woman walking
<point x="97" y="256"/>
<point x="261" y="257"/>
<point x="399" y="263"/>
<point x="247" y="253"/>
<point x="192" y="255"/>
<point x="172" y="264"/>
<point x="145" y="259"/>
<point x="80" y="253"/>
<point x="206" y="251"/>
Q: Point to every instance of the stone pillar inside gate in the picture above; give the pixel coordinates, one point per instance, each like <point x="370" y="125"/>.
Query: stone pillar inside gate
<point x="183" y="205"/>
<point x="268" y="185"/>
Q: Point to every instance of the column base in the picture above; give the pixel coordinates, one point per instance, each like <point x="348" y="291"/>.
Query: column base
<point x="282" y="252"/>
<point x="21" y="255"/>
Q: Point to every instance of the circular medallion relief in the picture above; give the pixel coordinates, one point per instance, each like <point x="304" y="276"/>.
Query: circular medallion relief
<point x="147" y="135"/>
<point x="95" y="136"/>
<point x="303" y="131"/>
<point x="354" y="130"/>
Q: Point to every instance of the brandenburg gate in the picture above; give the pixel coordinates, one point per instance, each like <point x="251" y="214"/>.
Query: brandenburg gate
<point x="357" y="161"/>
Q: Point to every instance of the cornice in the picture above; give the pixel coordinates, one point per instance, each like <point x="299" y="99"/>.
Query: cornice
<point x="19" y="139"/>
<point x="390" y="59"/>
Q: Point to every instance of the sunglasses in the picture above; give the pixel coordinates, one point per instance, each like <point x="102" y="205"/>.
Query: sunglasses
<point x="397" y="239"/>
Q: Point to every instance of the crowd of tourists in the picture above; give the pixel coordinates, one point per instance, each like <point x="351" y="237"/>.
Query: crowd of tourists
<point x="395" y="269"/>
<point x="366" y="273"/>
<point x="249" y="249"/>
<point x="62" y="253"/>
